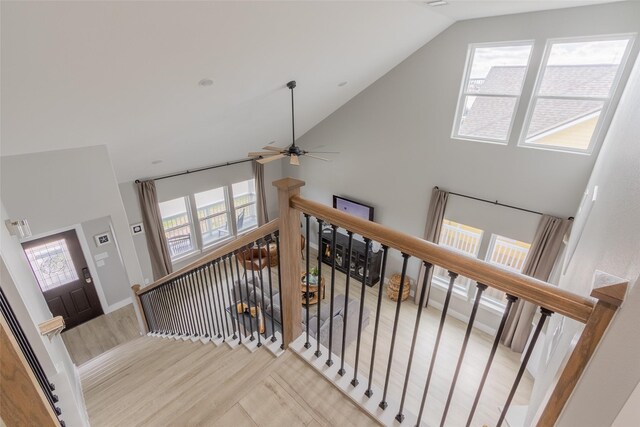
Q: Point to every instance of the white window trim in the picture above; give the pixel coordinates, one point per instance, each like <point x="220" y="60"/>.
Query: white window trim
<point x="464" y="93"/>
<point x="606" y="113"/>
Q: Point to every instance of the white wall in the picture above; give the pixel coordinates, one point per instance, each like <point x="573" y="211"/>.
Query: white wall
<point x="108" y="263"/>
<point x="610" y="242"/>
<point x="395" y="145"/>
<point x="184" y="185"/>
<point x="59" y="189"/>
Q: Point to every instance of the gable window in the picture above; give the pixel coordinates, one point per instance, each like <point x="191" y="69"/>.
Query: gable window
<point x="573" y="91"/>
<point x="244" y="205"/>
<point x="491" y="90"/>
<point x="460" y="238"/>
<point x="176" y="221"/>
<point x="505" y="253"/>
<point x="213" y="215"/>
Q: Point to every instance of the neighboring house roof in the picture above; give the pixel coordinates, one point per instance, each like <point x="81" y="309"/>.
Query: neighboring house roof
<point x="489" y="117"/>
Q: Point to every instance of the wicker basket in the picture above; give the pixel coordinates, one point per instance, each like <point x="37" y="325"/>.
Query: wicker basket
<point x="394" y="287"/>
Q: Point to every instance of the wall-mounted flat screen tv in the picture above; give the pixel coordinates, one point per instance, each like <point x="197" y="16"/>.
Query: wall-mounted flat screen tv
<point x="353" y="208"/>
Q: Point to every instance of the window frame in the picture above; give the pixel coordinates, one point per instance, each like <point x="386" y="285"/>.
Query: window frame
<point x="205" y="246"/>
<point x="235" y="209"/>
<point x="463" y="93"/>
<point x="606" y="113"/>
<point x="194" y="236"/>
<point x="491" y="302"/>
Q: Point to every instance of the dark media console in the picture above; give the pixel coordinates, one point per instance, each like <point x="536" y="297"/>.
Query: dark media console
<point x="354" y="265"/>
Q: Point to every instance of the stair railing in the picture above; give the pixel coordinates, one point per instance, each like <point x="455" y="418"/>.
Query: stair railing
<point x="231" y="294"/>
<point x="596" y="313"/>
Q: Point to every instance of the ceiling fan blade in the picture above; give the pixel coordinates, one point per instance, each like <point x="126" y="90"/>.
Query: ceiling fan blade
<point x="294" y="160"/>
<point x="260" y="153"/>
<point x="316" y="157"/>
<point x="272" y="148"/>
<point x="270" y="159"/>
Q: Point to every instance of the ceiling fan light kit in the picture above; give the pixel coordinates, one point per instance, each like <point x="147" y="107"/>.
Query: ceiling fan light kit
<point x="294" y="152"/>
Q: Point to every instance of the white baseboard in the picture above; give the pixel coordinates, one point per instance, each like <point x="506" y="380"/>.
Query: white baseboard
<point x="480" y="326"/>
<point x="119" y="305"/>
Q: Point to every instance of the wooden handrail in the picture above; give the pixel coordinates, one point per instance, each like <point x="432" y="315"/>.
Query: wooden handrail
<point x="223" y="250"/>
<point x="533" y="290"/>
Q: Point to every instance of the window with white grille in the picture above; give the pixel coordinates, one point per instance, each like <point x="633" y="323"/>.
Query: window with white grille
<point x="213" y="215"/>
<point x="176" y="221"/>
<point x="461" y="238"/>
<point x="506" y="253"/>
<point x="573" y="91"/>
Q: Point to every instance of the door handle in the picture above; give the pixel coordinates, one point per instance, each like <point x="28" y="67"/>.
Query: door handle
<point x="87" y="275"/>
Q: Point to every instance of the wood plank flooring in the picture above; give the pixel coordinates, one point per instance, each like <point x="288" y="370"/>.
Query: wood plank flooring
<point x="160" y="382"/>
<point x="92" y="338"/>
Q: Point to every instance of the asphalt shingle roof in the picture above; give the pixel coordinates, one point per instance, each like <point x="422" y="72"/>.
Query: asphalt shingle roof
<point x="489" y="117"/>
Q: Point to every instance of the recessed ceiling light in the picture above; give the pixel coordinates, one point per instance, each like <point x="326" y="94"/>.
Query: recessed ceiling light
<point x="156" y="162"/>
<point x="342" y="84"/>
<point x="437" y="3"/>
<point x="205" y="82"/>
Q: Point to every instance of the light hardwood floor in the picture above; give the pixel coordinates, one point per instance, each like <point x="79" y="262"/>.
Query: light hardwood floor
<point x="160" y="382"/>
<point x="92" y="338"/>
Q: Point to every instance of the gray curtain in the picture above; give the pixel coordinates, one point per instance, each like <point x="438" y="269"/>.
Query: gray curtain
<point x="154" y="232"/>
<point x="435" y="216"/>
<point x="261" y="198"/>
<point x="542" y="256"/>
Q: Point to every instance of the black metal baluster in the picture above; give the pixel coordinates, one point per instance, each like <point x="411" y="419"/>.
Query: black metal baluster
<point x="318" y="353"/>
<point x="246" y="288"/>
<point x="443" y="317"/>
<point x="218" y="316"/>
<point x="363" y="288"/>
<point x="268" y="240"/>
<point x="220" y="294"/>
<point x="156" y="311"/>
<point x="209" y="298"/>
<point x="184" y="306"/>
<point x="167" y="312"/>
<point x="205" y="302"/>
<point x="385" y="252"/>
<point x="383" y="403"/>
<point x="194" y="299"/>
<point x="277" y="233"/>
<point x="416" y="326"/>
<point x="189" y="305"/>
<point x="480" y="289"/>
<point x="203" y="316"/>
<point x="176" y="304"/>
<point x="261" y="283"/>
<point x="334" y="230"/>
<point x="255" y="300"/>
<point x="235" y="326"/>
<point x="239" y="285"/>
<point x="144" y="298"/>
<point x="510" y="300"/>
<point x="172" y="318"/>
<point x="345" y="313"/>
<point x="307" y="344"/>
<point x="523" y="365"/>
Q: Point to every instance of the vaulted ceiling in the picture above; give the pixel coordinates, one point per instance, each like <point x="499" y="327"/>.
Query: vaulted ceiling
<point x="126" y="74"/>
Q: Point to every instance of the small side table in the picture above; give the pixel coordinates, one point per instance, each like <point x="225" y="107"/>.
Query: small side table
<point x="313" y="290"/>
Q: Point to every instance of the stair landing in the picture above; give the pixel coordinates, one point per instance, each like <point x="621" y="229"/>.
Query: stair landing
<point x="159" y="382"/>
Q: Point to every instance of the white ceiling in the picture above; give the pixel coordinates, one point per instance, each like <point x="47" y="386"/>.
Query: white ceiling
<point x="126" y="74"/>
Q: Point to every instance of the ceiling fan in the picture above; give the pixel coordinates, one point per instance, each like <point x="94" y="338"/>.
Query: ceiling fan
<point x="293" y="151"/>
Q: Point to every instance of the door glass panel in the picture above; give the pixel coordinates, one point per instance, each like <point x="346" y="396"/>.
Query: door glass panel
<point x="52" y="264"/>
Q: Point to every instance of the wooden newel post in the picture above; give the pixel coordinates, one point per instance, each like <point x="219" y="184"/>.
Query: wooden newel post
<point x="290" y="259"/>
<point x="610" y="297"/>
<point x="135" y="288"/>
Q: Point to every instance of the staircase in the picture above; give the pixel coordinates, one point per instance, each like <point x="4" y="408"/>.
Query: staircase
<point x="162" y="382"/>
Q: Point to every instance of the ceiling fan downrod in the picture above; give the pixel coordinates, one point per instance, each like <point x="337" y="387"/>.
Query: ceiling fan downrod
<point x="291" y="85"/>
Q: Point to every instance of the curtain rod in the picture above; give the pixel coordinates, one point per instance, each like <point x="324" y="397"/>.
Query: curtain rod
<point x="498" y="203"/>
<point x="221" y="165"/>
